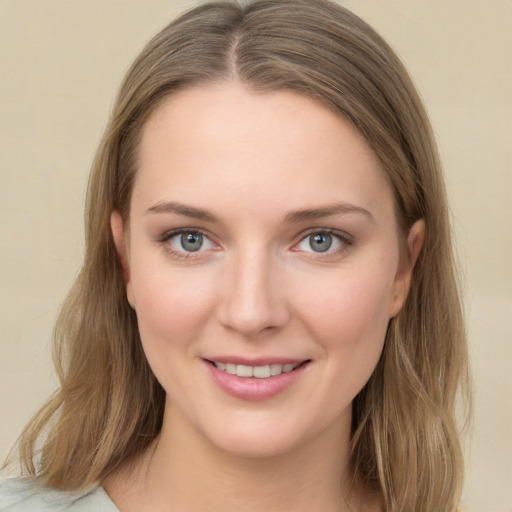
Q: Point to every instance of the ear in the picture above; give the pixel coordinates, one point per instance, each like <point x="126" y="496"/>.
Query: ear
<point x="403" y="277"/>
<point x="117" y="227"/>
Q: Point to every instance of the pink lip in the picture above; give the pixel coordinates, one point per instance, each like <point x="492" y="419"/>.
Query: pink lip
<point x="256" y="361"/>
<point x="252" y="388"/>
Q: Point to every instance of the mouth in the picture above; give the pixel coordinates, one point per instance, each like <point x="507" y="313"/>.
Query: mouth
<point x="259" y="372"/>
<point x="257" y="381"/>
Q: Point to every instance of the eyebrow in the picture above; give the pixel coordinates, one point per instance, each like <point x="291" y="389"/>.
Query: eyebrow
<point x="293" y="217"/>
<point x="182" y="209"/>
<point x="325" y="211"/>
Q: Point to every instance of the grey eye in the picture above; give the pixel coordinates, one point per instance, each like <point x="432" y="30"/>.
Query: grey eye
<point x="191" y="241"/>
<point x="320" y="242"/>
<point x="187" y="241"/>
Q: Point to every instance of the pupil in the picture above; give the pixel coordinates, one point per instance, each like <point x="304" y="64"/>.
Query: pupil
<point x="191" y="241"/>
<point x="320" y="242"/>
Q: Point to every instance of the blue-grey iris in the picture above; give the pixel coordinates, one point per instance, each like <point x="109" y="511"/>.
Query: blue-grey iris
<point x="191" y="242"/>
<point x="320" y="242"/>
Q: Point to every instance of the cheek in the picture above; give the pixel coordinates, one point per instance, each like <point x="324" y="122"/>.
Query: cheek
<point x="172" y="309"/>
<point x="171" y="306"/>
<point x="348" y="305"/>
<point x="348" y="317"/>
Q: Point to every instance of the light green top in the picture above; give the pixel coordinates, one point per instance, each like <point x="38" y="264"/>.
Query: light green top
<point x="23" y="494"/>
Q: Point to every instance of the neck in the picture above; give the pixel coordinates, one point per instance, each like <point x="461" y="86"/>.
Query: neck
<point x="183" y="471"/>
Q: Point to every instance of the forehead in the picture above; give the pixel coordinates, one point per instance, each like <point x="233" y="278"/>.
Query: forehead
<point x="216" y="143"/>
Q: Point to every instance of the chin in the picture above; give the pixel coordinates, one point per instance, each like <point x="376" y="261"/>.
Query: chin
<point x="256" y="446"/>
<point x="254" y="436"/>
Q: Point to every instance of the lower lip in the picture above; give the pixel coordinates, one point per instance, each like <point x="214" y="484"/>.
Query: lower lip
<point x="252" y="388"/>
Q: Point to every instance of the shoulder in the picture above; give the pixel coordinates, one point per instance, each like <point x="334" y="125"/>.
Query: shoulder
<point x="24" y="494"/>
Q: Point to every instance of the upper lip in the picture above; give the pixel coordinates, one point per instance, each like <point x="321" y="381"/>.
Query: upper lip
<point x="256" y="361"/>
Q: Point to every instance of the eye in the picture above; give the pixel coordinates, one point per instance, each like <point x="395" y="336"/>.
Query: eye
<point x="325" y="241"/>
<point x="188" y="241"/>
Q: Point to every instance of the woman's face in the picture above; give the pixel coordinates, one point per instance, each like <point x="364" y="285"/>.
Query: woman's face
<point x="263" y="265"/>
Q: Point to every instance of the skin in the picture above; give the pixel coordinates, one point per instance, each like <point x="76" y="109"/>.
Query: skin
<point x="257" y="288"/>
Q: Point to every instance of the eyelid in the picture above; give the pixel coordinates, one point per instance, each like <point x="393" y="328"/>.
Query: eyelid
<point x="346" y="240"/>
<point x="179" y="254"/>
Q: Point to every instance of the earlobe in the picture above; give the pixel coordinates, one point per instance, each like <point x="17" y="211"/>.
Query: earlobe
<point x="117" y="227"/>
<point x="403" y="277"/>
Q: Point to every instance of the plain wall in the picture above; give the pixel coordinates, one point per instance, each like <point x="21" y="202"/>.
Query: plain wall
<point x="60" y="64"/>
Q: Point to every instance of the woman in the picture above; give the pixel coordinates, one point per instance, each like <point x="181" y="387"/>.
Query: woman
<point x="267" y="312"/>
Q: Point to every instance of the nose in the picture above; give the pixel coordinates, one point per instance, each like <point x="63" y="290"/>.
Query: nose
<point x="253" y="301"/>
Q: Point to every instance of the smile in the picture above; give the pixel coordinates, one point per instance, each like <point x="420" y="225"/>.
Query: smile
<point x="256" y="381"/>
<point x="260" y="372"/>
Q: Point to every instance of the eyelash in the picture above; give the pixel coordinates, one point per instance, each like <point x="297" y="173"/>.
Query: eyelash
<point x="182" y="255"/>
<point x="344" y="239"/>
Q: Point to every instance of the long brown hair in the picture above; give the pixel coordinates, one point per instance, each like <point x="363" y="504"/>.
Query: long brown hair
<point x="405" y="439"/>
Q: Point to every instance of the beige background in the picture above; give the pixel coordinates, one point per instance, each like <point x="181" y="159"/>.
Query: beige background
<point x="60" y="64"/>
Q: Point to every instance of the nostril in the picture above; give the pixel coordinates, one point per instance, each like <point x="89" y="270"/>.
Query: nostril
<point x="252" y="304"/>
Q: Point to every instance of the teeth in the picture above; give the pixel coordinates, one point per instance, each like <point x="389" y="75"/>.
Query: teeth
<point x="244" y="371"/>
<point x="276" y="369"/>
<point x="260" y="372"/>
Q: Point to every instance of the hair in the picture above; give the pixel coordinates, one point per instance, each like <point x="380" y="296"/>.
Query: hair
<point x="405" y="437"/>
